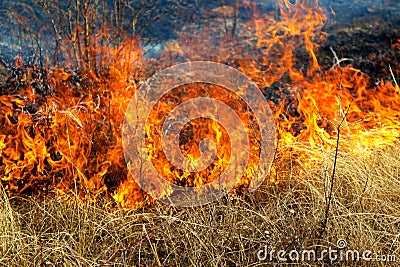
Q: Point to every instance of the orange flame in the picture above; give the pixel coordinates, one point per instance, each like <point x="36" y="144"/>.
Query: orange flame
<point x="72" y="144"/>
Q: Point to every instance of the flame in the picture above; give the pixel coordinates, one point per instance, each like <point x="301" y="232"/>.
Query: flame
<point x="317" y="101"/>
<point x="197" y="130"/>
<point x="70" y="143"/>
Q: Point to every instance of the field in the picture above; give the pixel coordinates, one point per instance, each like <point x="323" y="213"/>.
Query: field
<point x="314" y="86"/>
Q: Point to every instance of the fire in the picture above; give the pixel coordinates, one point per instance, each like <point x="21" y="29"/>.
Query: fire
<point x="66" y="139"/>
<point x="69" y="143"/>
<point x="197" y="130"/>
<point x="318" y="100"/>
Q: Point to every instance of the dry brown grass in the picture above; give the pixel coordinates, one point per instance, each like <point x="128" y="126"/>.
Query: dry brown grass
<point x="365" y="211"/>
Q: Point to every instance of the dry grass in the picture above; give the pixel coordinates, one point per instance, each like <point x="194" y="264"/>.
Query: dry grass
<point x="365" y="211"/>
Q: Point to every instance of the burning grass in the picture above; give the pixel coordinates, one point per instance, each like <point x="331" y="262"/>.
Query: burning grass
<point x="365" y="212"/>
<point x="68" y="198"/>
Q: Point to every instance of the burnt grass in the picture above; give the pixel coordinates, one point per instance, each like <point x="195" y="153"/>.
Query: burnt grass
<point x="364" y="32"/>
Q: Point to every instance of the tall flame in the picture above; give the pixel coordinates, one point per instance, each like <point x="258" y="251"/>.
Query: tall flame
<point x="70" y="143"/>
